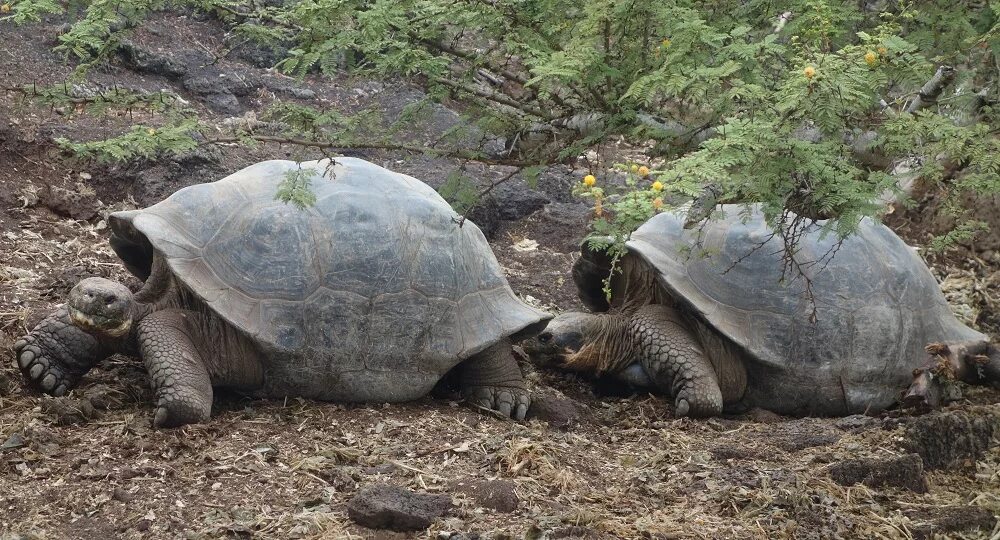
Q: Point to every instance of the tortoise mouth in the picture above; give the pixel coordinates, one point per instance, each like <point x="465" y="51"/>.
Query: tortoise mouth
<point x="99" y="324"/>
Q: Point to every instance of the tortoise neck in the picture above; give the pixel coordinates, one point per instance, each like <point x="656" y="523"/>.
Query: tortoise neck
<point x="157" y="284"/>
<point x="608" y="346"/>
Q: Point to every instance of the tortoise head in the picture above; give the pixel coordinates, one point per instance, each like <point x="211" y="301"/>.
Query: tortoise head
<point x="101" y="307"/>
<point x="562" y="338"/>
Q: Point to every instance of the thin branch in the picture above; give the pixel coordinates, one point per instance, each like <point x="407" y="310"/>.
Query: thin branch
<point x="336" y="145"/>
<point x="486" y="191"/>
<point x="496" y="98"/>
<point x="932" y="89"/>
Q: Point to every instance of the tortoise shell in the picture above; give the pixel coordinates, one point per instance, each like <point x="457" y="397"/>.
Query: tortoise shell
<point x="876" y="305"/>
<point x="377" y="275"/>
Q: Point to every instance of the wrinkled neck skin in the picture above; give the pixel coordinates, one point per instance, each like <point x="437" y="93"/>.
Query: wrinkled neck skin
<point x="608" y="348"/>
<point x="127" y="343"/>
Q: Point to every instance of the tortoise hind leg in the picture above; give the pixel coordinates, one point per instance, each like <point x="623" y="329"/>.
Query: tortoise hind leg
<point x="178" y="374"/>
<point x="492" y="379"/>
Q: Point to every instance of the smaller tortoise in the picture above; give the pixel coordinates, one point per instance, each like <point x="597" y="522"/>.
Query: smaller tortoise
<point x="372" y="294"/>
<point x="726" y="330"/>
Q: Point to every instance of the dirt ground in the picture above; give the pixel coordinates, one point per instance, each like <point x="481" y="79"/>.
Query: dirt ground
<point x="588" y="464"/>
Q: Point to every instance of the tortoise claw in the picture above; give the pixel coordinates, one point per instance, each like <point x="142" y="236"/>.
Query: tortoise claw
<point x="509" y="402"/>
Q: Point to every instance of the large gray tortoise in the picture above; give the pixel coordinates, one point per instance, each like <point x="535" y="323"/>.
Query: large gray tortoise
<point x="372" y="294"/>
<point x="709" y="316"/>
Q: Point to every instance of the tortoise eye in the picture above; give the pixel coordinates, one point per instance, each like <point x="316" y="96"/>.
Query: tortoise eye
<point x="545" y="337"/>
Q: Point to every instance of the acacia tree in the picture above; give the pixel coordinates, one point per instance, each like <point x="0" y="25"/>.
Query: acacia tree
<point x="813" y="108"/>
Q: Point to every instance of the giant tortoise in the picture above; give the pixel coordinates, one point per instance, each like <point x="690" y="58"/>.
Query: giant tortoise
<point x="713" y="317"/>
<point x="371" y="294"/>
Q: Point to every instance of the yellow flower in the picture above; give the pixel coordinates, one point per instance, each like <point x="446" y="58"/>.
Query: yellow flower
<point x="643" y="171"/>
<point x="871" y="58"/>
<point x="5" y="8"/>
<point x="634" y="168"/>
<point x="589" y="180"/>
<point x="657" y="186"/>
<point x="657" y="203"/>
<point x="665" y="43"/>
<point x="809" y="72"/>
<point x="882" y="50"/>
<point x="151" y="131"/>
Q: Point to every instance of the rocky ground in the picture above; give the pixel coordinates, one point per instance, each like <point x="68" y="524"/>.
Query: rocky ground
<point x="588" y="464"/>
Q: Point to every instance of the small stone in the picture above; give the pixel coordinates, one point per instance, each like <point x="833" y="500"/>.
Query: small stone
<point x="121" y="495"/>
<point x="16" y="440"/>
<point x="384" y="506"/>
<point x="557" y="411"/>
<point x="898" y="471"/>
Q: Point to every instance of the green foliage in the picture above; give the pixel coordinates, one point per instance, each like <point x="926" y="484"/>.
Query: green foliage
<point x="760" y="101"/>
<point x="295" y="187"/>
<point x="140" y="142"/>
<point x="461" y="191"/>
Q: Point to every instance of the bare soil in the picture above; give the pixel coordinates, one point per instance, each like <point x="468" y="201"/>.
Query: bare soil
<point x="588" y="464"/>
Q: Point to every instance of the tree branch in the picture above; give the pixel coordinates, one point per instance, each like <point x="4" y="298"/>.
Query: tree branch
<point x="496" y="98"/>
<point x="335" y="145"/>
<point x="932" y="89"/>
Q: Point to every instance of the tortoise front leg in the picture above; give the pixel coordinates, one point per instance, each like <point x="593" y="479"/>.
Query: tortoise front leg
<point x="672" y="356"/>
<point x="176" y="369"/>
<point x="56" y="354"/>
<point x="492" y="379"/>
<point x="975" y="362"/>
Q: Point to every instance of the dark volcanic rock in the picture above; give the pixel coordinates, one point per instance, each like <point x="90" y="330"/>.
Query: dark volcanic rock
<point x="173" y="65"/>
<point x="260" y="55"/>
<point x="496" y="495"/>
<point x="76" y="204"/>
<point x="899" y="471"/>
<point x="946" y="438"/>
<point x="223" y="103"/>
<point x="517" y="201"/>
<point x="391" y="507"/>
<point x="943" y="520"/>
<point x="154" y="183"/>
<point x="212" y="80"/>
